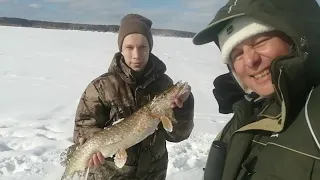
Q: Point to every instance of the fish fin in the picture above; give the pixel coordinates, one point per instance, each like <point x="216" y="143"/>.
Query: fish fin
<point x="169" y="114"/>
<point x="120" y="158"/>
<point x="86" y="173"/>
<point x="155" y="116"/>
<point x="166" y="123"/>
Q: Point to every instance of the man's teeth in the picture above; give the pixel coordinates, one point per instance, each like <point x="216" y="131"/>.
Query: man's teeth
<point x="263" y="73"/>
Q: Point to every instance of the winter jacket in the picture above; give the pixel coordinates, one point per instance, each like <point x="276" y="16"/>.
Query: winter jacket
<point x="275" y="138"/>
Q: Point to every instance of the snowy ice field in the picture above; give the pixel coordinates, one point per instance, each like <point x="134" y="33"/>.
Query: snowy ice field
<point x="43" y="74"/>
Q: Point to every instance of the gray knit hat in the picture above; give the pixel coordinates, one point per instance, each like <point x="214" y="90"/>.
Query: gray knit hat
<point x="135" y="23"/>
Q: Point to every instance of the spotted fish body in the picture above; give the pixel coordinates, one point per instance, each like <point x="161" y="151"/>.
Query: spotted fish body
<point x="131" y="130"/>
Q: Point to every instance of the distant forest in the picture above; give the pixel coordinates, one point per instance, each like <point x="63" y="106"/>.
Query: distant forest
<point x="19" y="22"/>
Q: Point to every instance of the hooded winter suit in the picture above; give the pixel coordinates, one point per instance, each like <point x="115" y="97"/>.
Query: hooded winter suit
<point x="274" y="138"/>
<point x="117" y="94"/>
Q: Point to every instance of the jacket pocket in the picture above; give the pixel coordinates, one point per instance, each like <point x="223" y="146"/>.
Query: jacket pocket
<point x="278" y="162"/>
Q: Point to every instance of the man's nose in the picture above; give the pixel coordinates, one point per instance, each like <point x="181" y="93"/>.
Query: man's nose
<point x="136" y="53"/>
<point x="251" y="57"/>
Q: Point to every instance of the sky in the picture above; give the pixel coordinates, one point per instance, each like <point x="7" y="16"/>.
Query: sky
<point x="187" y="15"/>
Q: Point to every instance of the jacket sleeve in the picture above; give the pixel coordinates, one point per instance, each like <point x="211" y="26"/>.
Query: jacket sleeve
<point x="91" y="114"/>
<point x="184" y="126"/>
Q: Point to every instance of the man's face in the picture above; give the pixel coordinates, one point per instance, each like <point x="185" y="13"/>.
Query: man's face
<point x="135" y="50"/>
<point x="252" y="60"/>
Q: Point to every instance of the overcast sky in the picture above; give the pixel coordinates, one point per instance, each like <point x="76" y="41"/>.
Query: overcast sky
<point x="188" y="15"/>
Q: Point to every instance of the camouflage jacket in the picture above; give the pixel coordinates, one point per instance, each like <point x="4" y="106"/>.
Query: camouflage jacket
<point x="117" y="94"/>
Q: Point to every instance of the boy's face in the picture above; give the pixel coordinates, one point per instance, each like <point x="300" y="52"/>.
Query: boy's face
<point x="136" y="50"/>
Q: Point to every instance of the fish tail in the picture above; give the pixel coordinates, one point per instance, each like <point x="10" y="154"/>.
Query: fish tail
<point x="66" y="176"/>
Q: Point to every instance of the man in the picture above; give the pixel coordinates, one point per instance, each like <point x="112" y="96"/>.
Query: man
<point x="271" y="48"/>
<point x="134" y="77"/>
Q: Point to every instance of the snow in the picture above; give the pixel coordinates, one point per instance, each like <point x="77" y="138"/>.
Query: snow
<point x="43" y="73"/>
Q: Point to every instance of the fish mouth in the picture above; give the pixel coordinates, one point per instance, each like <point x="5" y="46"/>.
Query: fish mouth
<point x="182" y="87"/>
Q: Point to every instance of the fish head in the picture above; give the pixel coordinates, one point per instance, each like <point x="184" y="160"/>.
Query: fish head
<point x="176" y="90"/>
<point x="164" y="100"/>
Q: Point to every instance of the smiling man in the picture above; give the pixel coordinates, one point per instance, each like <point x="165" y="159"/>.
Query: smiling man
<point x="134" y="77"/>
<point x="271" y="48"/>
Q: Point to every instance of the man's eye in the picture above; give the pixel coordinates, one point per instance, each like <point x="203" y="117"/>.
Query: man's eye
<point x="261" y="41"/>
<point x="236" y="56"/>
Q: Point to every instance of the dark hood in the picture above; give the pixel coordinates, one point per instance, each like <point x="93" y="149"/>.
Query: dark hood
<point x="292" y="75"/>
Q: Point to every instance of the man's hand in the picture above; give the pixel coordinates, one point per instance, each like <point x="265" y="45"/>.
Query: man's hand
<point x="96" y="160"/>
<point x="178" y="101"/>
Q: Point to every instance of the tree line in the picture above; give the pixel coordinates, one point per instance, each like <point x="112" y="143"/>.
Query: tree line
<point x="19" y="22"/>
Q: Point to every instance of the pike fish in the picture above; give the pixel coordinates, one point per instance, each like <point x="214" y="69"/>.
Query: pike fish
<point x="114" y="140"/>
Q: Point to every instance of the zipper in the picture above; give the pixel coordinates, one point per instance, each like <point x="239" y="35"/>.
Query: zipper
<point x="281" y="70"/>
<point x="278" y="91"/>
<point x="135" y="97"/>
<point x="153" y="139"/>
<point x="283" y="105"/>
<point x="136" y="102"/>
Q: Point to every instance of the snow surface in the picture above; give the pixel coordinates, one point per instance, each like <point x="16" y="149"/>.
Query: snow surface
<point x="43" y="74"/>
